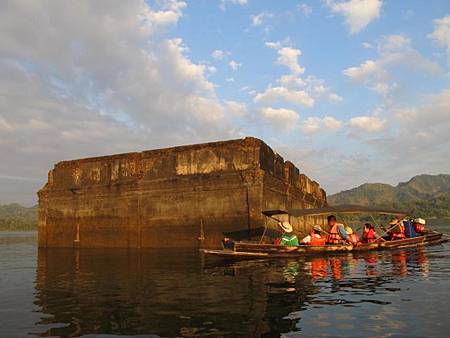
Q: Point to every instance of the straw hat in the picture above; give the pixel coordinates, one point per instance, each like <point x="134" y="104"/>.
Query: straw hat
<point x="420" y="221"/>
<point x="286" y="226"/>
<point x="348" y="230"/>
<point x="317" y="228"/>
<point x="394" y="221"/>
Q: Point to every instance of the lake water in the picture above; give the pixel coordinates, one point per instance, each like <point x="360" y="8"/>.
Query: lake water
<point x="161" y="293"/>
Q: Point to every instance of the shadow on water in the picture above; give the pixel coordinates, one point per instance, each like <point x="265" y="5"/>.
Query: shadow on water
<point x="174" y="293"/>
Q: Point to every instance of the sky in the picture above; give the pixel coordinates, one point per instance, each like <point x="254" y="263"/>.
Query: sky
<point x="351" y="91"/>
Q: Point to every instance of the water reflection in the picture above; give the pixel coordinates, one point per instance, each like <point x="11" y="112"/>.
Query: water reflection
<point x="174" y="293"/>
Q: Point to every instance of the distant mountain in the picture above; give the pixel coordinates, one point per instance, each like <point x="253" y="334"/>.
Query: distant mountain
<point x="17" y="217"/>
<point x="422" y="195"/>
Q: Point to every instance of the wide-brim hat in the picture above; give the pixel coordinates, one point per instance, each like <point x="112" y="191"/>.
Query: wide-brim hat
<point x="348" y="230"/>
<point x="286" y="226"/>
<point x="394" y="222"/>
<point x="317" y="228"/>
<point x="420" y="221"/>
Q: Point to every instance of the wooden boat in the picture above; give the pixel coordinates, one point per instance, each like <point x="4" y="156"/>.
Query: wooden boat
<point x="252" y="250"/>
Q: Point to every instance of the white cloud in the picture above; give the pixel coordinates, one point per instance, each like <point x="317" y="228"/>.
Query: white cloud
<point x="169" y="15"/>
<point x="219" y="54"/>
<point x="305" y="9"/>
<point x="276" y="94"/>
<point x="273" y="44"/>
<point x="314" y="124"/>
<point x="441" y="33"/>
<point x="369" y="124"/>
<point x="98" y="79"/>
<point x="363" y="71"/>
<point x="335" y="97"/>
<point x="229" y="79"/>
<point x="236" y="108"/>
<point x="288" y="57"/>
<point x="358" y="13"/>
<point x="234" y="65"/>
<point x="420" y="139"/>
<point x="292" y="87"/>
<point x="394" y="53"/>
<point x="280" y="118"/>
<point x="367" y="45"/>
<point x="224" y="3"/>
<point x="257" y="20"/>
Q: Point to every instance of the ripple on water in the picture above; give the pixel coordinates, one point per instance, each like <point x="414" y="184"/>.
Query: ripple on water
<point x="65" y="292"/>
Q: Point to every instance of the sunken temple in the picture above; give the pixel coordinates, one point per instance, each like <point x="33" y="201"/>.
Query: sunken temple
<point x="185" y="196"/>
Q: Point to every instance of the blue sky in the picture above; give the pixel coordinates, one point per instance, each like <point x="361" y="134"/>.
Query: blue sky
<point x="351" y="91"/>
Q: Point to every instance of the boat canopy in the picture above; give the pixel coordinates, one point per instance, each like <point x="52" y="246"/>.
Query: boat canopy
<point x="341" y="209"/>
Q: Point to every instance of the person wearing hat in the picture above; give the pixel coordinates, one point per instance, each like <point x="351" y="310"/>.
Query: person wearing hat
<point x="419" y="225"/>
<point x="315" y="238"/>
<point x="398" y="229"/>
<point x="288" y="238"/>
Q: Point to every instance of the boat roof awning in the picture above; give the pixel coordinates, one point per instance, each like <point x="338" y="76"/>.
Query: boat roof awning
<point x="341" y="209"/>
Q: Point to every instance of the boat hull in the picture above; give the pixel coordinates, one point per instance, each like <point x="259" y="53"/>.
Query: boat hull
<point x="248" y="250"/>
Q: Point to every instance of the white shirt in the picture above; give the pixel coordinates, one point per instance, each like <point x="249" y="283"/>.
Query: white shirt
<point x="307" y="239"/>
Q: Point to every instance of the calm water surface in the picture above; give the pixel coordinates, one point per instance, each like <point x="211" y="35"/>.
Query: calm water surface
<point x="160" y="293"/>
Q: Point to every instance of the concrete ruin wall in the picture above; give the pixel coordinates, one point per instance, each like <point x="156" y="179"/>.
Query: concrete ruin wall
<point x="181" y="196"/>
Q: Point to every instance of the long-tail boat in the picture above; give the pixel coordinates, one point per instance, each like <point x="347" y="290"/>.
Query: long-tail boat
<point x="251" y="250"/>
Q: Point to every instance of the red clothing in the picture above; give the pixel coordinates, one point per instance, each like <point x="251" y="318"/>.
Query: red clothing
<point x="398" y="233"/>
<point x="369" y="236"/>
<point x="317" y="241"/>
<point x="420" y="228"/>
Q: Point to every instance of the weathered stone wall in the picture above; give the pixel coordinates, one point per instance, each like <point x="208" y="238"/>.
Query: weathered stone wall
<point x="169" y="197"/>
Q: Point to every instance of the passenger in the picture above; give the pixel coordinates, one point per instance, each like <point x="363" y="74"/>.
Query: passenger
<point x="288" y="238"/>
<point x="410" y="229"/>
<point x="419" y="225"/>
<point x="315" y="238"/>
<point x="337" y="234"/>
<point x="353" y="238"/>
<point x="369" y="234"/>
<point x="398" y="232"/>
<point x="386" y="231"/>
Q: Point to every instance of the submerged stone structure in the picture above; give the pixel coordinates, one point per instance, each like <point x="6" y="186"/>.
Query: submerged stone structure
<point x="182" y="196"/>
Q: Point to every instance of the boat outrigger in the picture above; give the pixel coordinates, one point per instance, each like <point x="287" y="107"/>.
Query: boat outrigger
<point x="253" y="250"/>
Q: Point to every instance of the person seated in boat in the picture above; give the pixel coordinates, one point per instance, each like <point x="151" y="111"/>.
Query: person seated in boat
<point x="419" y="226"/>
<point x="288" y="238"/>
<point x="336" y="233"/>
<point x="316" y="237"/>
<point x="398" y="229"/>
<point x="409" y="229"/>
<point x="387" y="233"/>
<point x="369" y="233"/>
<point x="353" y="238"/>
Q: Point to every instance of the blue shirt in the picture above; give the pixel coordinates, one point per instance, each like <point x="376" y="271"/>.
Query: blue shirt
<point x="342" y="232"/>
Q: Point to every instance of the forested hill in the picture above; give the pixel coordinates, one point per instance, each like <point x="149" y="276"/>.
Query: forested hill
<point x="16" y="217"/>
<point x="423" y="195"/>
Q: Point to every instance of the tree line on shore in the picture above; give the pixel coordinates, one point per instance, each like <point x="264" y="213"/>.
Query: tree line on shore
<point x="15" y="217"/>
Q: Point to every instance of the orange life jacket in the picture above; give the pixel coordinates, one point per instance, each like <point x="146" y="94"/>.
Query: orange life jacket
<point x="317" y="241"/>
<point x="369" y="236"/>
<point x="400" y="234"/>
<point x="334" y="237"/>
<point x="419" y="227"/>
